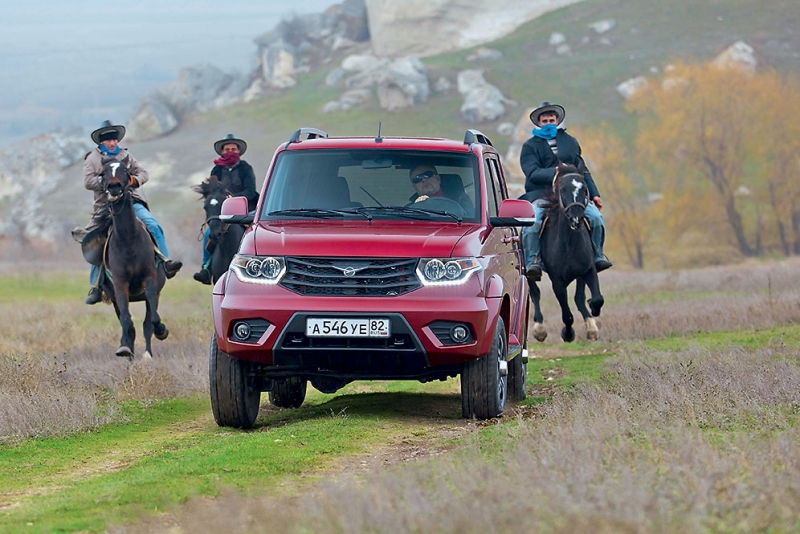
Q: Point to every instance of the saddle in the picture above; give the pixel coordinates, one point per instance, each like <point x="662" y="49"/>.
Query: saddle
<point x="93" y="243"/>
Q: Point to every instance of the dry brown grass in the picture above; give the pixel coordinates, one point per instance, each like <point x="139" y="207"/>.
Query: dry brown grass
<point x="59" y="375"/>
<point x="705" y="442"/>
<point x="645" y="305"/>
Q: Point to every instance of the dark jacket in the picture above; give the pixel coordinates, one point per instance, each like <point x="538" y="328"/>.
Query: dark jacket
<point x="539" y="164"/>
<point x="239" y="180"/>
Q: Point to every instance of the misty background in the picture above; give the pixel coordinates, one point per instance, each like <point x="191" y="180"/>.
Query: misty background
<point x="72" y="64"/>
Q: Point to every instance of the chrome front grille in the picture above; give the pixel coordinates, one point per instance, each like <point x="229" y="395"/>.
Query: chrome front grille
<point x="350" y="277"/>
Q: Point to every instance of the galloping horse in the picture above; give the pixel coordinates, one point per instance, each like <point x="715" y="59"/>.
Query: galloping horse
<point x="568" y="255"/>
<point x="223" y="239"/>
<point x="131" y="261"/>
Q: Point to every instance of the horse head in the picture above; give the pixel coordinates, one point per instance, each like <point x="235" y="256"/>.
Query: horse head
<point x="116" y="178"/>
<point x="573" y="196"/>
<point x="214" y="194"/>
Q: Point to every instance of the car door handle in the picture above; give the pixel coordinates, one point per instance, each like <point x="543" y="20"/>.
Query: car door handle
<point x="512" y="239"/>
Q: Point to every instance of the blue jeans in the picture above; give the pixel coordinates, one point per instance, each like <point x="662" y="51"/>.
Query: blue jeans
<point x="144" y="215"/>
<point x="206" y="253"/>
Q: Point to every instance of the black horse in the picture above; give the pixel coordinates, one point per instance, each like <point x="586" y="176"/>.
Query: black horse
<point x="133" y="274"/>
<point x="223" y="239"/>
<point x="568" y="255"/>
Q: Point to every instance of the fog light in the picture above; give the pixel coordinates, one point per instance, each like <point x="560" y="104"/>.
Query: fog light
<point x="459" y="333"/>
<point x="241" y="330"/>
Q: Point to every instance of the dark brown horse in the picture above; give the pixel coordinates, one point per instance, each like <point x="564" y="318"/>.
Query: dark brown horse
<point x="133" y="273"/>
<point x="223" y="239"/>
<point x="568" y="256"/>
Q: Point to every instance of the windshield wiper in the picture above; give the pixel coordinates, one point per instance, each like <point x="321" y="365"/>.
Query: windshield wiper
<point x="416" y="211"/>
<point x="398" y="209"/>
<point x="308" y="212"/>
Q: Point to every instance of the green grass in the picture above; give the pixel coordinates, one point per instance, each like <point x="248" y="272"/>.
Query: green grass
<point x="748" y="339"/>
<point x="42" y="286"/>
<point x="154" y="463"/>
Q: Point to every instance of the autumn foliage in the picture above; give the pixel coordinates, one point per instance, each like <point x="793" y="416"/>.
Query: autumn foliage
<point x="715" y="163"/>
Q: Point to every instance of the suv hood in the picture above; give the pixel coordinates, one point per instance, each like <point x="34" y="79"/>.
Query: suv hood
<point x="376" y="239"/>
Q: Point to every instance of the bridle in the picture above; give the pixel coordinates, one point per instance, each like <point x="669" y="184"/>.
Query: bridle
<point x="114" y="200"/>
<point x="574" y="222"/>
<point x="205" y="225"/>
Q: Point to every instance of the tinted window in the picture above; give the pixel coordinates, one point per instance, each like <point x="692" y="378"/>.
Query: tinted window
<point x="350" y="179"/>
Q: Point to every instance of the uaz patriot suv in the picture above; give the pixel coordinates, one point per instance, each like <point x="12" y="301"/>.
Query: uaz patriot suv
<point x="346" y="273"/>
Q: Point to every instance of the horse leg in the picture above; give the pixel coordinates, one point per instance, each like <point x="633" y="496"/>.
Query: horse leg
<point x="539" y="331"/>
<point x="159" y="329"/>
<point x="580" y="301"/>
<point x="597" y="300"/>
<point x="150" y="316"/>
<point x="560" y="290"/>
<point x="128" y="337"/>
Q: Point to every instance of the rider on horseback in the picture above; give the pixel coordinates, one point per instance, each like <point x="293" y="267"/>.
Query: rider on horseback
<point x="107" y="138"/>
<point x="237" y="176"/>
<point x="539" y="158"/>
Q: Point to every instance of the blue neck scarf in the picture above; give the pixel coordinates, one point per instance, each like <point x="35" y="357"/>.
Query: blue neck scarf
<point x="548" y="131"/>
<point x="106" y="152"/>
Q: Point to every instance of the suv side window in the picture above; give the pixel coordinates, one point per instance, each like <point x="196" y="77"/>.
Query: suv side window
<point x="493" y="187"/>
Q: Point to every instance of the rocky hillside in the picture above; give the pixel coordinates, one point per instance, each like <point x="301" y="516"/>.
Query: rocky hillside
<point x="586" y="55"/>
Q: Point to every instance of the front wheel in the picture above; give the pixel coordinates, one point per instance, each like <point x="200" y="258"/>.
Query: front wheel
<point x="483" y="384"/>
<point x="234" y="396"/>
<point x="288" y="393"/>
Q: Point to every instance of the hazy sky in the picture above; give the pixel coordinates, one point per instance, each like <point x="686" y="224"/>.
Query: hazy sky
<point x="75" y="63"/>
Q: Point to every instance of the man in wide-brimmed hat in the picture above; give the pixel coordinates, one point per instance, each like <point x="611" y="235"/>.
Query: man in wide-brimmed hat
<point x="238" y="178"/>
<point x="107" y="138"/>
<point x="539" y="157"/>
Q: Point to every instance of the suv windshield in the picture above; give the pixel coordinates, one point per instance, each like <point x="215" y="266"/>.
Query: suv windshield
<point x="370" y="183"/>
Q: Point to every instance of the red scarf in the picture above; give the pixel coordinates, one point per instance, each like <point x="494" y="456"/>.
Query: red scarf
<point x="228" y="159"/>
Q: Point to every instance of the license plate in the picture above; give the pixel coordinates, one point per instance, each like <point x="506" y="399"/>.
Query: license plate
<point x="350" y="327"/>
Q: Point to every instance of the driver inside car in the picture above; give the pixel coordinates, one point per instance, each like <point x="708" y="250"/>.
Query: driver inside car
<point x="427" y="183"/>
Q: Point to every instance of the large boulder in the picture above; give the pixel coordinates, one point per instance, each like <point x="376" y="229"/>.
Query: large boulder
<point x="483" y="101"/>
<point x="198" y="89"/>
<point x="398" y="83"/>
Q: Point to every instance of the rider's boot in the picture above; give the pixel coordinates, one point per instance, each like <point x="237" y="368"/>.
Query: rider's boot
<point x="531" y="246"/>
<point x="94" y="296"/>
<point x="601" y="263"/>
<point x="172" y="267"/>
<point x="203" y="276"/>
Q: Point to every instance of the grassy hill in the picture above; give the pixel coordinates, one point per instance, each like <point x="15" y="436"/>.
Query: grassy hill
<point x="648" y="34"/>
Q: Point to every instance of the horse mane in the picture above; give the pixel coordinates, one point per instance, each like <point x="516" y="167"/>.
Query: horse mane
<point x="212" y="184"/>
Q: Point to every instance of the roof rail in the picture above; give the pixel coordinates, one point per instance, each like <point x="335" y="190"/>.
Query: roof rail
<point x="302" y="134"/>
<point x="475" y="136"/>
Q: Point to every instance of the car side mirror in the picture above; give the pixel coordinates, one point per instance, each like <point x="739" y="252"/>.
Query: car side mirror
<point x="234" y="211"/>
<point x="514" y="212"/>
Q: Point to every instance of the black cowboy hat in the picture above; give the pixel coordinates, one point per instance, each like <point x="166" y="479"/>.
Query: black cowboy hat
<point x="107" y="131"/>
<point x="547" y="107"/>
<point x="230" y="138"/>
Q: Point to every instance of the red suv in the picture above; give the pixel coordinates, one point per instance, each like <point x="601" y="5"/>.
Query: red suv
<point x="356" y="266"/>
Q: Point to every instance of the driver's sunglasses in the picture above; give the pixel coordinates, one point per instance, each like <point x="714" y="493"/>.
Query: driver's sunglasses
<point x="422" y="176"/>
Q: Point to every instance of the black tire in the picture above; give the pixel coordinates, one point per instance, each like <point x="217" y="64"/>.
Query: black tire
<point x="234" y="396"/>
<point x="517" y="375"/>
<point x="518" y="372"/>
<point x="288" y="393"/>
<point x="483" y="389"/>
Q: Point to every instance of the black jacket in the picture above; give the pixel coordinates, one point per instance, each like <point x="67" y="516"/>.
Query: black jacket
<point x="240" y="181"/>
<point x="539" y="164"/>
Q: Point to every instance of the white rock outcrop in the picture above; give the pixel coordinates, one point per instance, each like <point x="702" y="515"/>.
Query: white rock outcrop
<point x="429" y="27"/>
<point x="30" y="171"/>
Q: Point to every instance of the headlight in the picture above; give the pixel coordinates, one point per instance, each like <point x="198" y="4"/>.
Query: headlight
<point x="446" y="271"/>
<point x="258" y="269"/>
